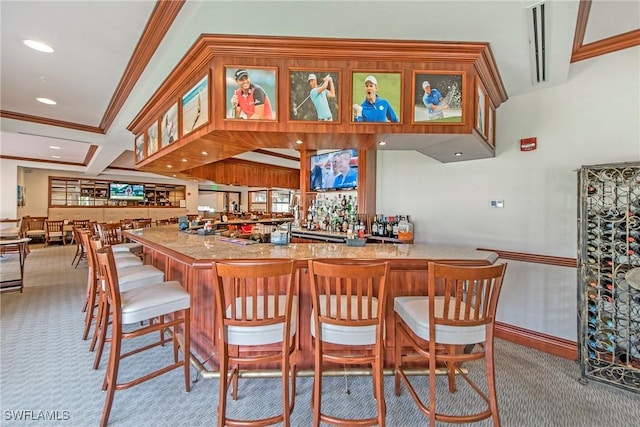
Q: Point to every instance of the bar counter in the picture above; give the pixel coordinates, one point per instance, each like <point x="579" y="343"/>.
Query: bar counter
<point x="188" y="257"/>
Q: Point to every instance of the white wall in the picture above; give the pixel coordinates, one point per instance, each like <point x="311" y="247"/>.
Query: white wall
<point x="592" y="119"/>
<point x="8" y="189"/>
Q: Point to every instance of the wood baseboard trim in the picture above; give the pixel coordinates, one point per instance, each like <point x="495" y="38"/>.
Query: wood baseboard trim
<point x="542" y="342"/>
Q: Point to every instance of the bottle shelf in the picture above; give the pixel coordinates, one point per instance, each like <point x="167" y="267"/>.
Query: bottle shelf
<point x="609" y="251"/>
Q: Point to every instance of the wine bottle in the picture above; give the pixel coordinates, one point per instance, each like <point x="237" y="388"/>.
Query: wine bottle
<point x="374" y="227"/>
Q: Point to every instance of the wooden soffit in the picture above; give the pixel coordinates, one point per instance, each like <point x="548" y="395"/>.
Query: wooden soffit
<point x="222" y="138"/>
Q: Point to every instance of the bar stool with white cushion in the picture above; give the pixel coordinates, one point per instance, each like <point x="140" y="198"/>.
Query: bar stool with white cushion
<point x="347" y="324"/>
<point x="458" y="313"/>
<point x="255" y="307"/>
<point x="129" y="277"/>
<point x="141" y="306"/>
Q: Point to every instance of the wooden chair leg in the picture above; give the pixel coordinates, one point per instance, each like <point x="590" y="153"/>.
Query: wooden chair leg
<point x="186" y="349"/>
<point x="379" y="384"/>
<point x="317" y="384"/>
<point x="234" y="375"/>
<point x="224" y="372"/>
<point x="111" y="378"/>
<point x="398" y="358"/>
<point x="90" y="309"/>
<point x="285" y="388"/>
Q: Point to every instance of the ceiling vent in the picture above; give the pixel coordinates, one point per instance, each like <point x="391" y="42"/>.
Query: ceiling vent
<point x="537" y="17"/>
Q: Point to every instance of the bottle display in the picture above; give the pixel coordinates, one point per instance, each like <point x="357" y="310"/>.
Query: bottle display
<point x="338" y="213"/>
<point x="608" y="254"/>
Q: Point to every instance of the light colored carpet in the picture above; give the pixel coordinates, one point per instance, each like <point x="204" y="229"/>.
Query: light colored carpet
<point x="46" y="372"/>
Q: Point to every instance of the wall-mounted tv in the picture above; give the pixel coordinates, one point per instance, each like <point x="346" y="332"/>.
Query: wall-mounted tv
<point x="122" y="191"/>
<point x="337" y="170"/>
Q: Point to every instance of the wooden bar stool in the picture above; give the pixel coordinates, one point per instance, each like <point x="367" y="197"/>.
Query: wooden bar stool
<point x="347" y="324"/>
<point x="256" y="307"/>
<point x="439" y="325"/>
<point x="129" y="277"/>
<point x="139" y="305"/>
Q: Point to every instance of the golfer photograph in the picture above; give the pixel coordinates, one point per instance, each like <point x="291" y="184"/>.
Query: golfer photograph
<point x="376" y="97"/>
<point x="313" y="95"/>
<point x="251" y="93"/>
<point x="437" y="98"/>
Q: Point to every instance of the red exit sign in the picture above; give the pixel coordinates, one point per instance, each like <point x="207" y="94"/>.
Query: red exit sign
<point x="528" y="144"/>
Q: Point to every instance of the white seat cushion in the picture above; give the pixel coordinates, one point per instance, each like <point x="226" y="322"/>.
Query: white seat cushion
<point x="260" y="335"/>
<point x="147" y="302"/>
<point x="415" y="313"/>
<point x="127" y="247"/>
<point x="126" y="259"/>
<point x="345" y="335"/>
<point x="138" y="276"/>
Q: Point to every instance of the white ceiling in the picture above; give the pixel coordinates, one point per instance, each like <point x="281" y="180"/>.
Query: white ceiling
<point x="94" y="40"/>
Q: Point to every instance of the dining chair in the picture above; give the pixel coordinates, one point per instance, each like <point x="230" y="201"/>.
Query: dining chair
<point x="453" y="324"/>
<point x="142" y="223"/>
<point x="80" y="223"/>
<point x="137" y="308"/>
<point x="36" y="228"/>
<point x="256" y="306"/>
<point x="347" y="326"/>
<point x="53" y="231"/>
<point x="81" y="251"/>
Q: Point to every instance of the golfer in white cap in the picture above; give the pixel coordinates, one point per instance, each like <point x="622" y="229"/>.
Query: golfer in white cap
<point x="319" y="95"/>
<point x="373" y="108"/>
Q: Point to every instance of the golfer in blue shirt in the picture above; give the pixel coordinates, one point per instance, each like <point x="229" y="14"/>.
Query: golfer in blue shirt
<point x="373" y="108"/>
<point x="432" y="99"/>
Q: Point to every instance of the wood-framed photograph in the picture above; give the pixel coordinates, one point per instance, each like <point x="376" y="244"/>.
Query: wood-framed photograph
<point x="481" y="109"/>
<point x="152" y="139"/>
<point x="313" y="95"/>
<point x="195" y="106"/>
<point x="437" y="97"/>
<point x="139" y="147"/>
<point x="251" y="93"/>
<point x="376" y="97"/>
<point x="491" y="128"/>
<point x="169" y="125"/>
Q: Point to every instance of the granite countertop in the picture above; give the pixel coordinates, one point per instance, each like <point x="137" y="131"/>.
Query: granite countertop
<point x="201" y="247"/>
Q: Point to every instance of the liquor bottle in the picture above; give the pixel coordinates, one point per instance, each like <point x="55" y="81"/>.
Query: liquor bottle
<point x="405" y="229"/>
<point x="394" y="227"/>
<point x="374" y="226"/>
<point x="389" y="227"/>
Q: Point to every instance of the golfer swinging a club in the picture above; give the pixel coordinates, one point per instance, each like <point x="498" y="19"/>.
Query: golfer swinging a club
<point x="319" y="95"/>
<point x="249" y="101"/>
<point x="373" y="108"/>
<point x="433" y="100"/>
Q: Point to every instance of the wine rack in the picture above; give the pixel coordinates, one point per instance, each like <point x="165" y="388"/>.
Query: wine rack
<point x="608" y="265"/>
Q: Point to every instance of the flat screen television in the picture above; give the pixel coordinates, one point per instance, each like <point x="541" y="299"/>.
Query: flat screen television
<point x="122" y="191"/>
<point x="337" y="170"/>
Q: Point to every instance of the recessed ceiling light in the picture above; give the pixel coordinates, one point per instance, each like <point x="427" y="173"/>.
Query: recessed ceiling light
<point x="458" y="153"/>
<point x="39" y="46"/>
<point x="204" y="153"/>
<point x="174" y="175"/>
<point x="169" y="166"/>
<point x="185" y="160"/>
<point x="46" y="101"/>
<point x="299" y="141"/>
<point x="56" y="157"/>
<point x="382" y="143"/>
<point x="54" y="147"/>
